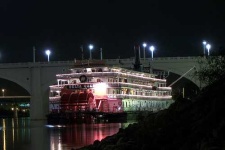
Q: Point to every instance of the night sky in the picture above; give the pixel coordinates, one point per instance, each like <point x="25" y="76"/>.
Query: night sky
<point x="175" y="28"/>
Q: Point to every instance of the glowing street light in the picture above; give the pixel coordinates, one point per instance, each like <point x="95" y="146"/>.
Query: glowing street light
<point x="3" y="92"/>
<point x="204" y="46"/>
<point x="48" y="52"/>
<point x="208" y="46"/>
<point x="144" y="45"/>
<point x="90" y="47"/>
<point x="152" y="48"/>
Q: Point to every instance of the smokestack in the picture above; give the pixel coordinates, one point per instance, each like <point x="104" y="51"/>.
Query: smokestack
<point x="82" y="52"/>
<point x="137" y="63"/>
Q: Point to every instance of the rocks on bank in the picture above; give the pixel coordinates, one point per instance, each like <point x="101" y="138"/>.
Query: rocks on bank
<point x="197" y="124"/>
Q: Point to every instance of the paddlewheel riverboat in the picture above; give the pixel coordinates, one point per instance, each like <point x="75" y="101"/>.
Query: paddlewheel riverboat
<point x="100" y="90"/>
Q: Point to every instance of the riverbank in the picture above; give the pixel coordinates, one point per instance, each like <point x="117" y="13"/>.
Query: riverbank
<point x="196" y="124"/>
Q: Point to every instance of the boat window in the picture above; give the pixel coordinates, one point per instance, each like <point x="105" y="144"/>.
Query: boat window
<point x="110" y="80"/>
<point x="100" y="70"/>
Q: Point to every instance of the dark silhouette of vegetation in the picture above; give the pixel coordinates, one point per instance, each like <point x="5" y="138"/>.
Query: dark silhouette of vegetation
<point x="211" y="69"/>
<point x="196" y="124"/>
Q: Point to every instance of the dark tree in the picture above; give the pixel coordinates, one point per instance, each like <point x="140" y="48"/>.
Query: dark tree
<point x="211" y="69"/>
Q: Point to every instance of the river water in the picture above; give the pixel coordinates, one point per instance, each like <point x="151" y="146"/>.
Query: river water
<point x="24" y="134"/>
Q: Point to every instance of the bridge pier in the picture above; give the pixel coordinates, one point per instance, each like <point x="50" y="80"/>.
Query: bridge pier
<point x="39" y="98"/>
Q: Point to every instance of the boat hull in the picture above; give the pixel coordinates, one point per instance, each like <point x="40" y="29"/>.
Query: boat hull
<point x="85" y="117"/>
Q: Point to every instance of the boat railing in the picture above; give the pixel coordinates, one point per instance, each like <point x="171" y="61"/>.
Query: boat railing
<point x="119" y="84"/>
<point x="102" y="74"/>
<point x="165" y="88"/>
<point x="123" y="96"/>
<point x="136" y="85"/>
<point x="128" y="96"/>
<point x="54" y="98"/>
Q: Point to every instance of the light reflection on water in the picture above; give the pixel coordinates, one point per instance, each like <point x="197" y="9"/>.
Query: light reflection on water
<point x="26" y="135"/>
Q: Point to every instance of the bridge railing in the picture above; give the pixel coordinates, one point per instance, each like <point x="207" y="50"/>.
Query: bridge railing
<point x="173" y="58"/>
<point x="31" y="64"/>
<point x="110" y="61"/>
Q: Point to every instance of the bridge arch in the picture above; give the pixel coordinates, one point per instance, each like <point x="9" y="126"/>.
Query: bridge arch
<point x="12" y="89"/>
<point x="183" y="67"/>
<point x="35" y="78"/>
<point x="177" y="65"/>
<point x="23" y="83"/>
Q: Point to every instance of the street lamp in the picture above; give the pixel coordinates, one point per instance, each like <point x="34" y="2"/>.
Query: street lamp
<point x="144" y="45"/>
<point x="101" y="53"/>
<point x="90" y="47"/>
<point x="208" y="46"/>
<point x="152" y="48"/>
<point x="3" y="92"/>
<point x="204" y="44"/>
<point x="48" y="52"/>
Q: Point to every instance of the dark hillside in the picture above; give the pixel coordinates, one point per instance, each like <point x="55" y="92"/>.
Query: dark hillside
<point x="197" y="124"/>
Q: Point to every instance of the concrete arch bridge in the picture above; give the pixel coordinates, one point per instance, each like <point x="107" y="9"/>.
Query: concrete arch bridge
<point x="36" y="77"/>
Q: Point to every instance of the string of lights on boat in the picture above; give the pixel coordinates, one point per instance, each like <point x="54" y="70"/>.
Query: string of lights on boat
<point x="124" y="72"/>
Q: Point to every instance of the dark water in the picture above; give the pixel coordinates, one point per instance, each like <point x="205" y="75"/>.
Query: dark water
<point x="24" y="134"/>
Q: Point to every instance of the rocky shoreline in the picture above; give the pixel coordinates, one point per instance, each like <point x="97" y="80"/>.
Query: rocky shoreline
<point x="197" y="124"/>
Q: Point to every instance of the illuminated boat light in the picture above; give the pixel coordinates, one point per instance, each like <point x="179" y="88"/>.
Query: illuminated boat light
<point x="97" y="74"/>
<point x="137" y="96"/>
<point x="55" y="126"/>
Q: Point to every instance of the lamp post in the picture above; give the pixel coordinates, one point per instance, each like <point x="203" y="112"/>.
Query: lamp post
<point x="208" y="46"/>
<point x="204" y="45"/>
<point x="82" y="52"/>
<point x="33" y="54"/>
<point x="101" y="53"/>
<point x="3" y="92"/>
<point x="90" y="47"/>
<point x="152" y="48"/>
<point x="48" y="52"/>
<point x="144" y="45"/>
